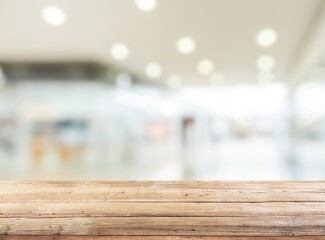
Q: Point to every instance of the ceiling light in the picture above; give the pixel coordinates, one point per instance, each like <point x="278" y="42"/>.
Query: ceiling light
<point x="153" y="70"/>
<point x="119" y="51"/>
<point x="266" y="37"/>
<point x="186" y="45"/>
<point x="217" y="79"/>
<point x="265" y="63"/>
<point x="205" y="67"/>
<point x="174" y="81"/>
<point x="265" y="77"/>
<point x="146" y="5"/>
<point x="53" y="15"/>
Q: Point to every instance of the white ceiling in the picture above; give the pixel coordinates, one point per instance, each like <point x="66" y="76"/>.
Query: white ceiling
<point x="224" y="31"/>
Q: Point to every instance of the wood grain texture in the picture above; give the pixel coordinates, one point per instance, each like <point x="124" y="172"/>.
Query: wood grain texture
<point x="152" y="238"/>
<point x="162" y="210"/>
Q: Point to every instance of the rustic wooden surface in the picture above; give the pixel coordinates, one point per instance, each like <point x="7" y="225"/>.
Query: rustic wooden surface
<point x="162" y="210"/>
<point x="152" y="238"/>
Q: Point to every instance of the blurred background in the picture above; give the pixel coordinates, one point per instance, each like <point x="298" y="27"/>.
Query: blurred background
<point x="162" y="89"/>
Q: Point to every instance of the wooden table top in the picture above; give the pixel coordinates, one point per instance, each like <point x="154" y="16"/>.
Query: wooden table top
<point x="120" y="210"/>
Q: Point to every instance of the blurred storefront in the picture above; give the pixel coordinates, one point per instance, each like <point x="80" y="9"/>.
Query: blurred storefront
<point x="93" y="130"/>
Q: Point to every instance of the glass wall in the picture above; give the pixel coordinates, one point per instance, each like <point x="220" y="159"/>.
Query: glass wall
<point x="89" y="130"/>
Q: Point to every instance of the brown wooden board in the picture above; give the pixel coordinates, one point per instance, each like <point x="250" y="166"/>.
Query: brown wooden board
<point x="120" y="210"/>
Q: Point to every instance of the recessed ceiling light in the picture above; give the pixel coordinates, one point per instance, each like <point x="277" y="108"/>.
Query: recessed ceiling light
<point x="146" y="5"/>
<point x="174" y="81"/>
<point x="265" y="63"/>
<point x="53" y="15"/>
<point x="205" y="67"/>
<point x="265" y="77"/>
<point x="153" y="70"/>
<point x="186" y="45"/>
<point x="266" y="37"/>
<point x="119" y="51"/>
<point x="217" y="78"/>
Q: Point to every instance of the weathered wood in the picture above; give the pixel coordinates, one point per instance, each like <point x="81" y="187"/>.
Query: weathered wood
<point x="162" y="210"/>
<point x="192" y="192"/>
<point x="141" y="209"/>
<point x="151" y="238"/>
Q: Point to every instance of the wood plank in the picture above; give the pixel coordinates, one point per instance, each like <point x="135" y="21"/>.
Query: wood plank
<point x="189" y="210"/>
<point x="216" y="185"/>
<point x="167" y="226"/>
<point x="162" y="192"/>
<point x="112" y="209"/>
<point x="152" y="238"/>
